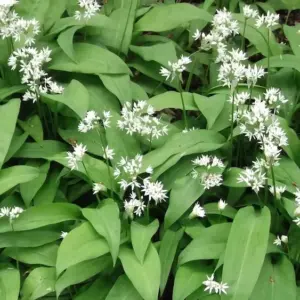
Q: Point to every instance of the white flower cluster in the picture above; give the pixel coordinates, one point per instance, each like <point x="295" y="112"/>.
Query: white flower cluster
<point x="209" y="170"/>
<point x="279" y="240"/>
<point x="11" y="212"/>
<point x="176" y="68"/>
<point x="297" y="210"/>
<point x="223" y="26"/>
<point x="214" y="286"/>
<point x="92" y="119"/>
<point x="12" y="25"/>
<point x="270" y="20"/>
<point x="139" y="118"/>
<point x="76" y="156"/>
<point x="279" y="190"/>
<point x="198" y="211"/>
<point x="88" y="8"/>
<point x="63" y="234"/>
<point x="249" y="12"/>
<point x="99" y="187"/>
<point x="130" y="169"/>
<point x="254" y="177"/>
<point x="31" y="61"/>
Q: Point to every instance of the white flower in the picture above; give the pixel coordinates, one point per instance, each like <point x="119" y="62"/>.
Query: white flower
<point x="108" y="153"/>
<point x="138" y="118"/>
<point x="63" y="234"/>
<point x="76" y="156"/>
<point x="212" y="285"/>
<point x="134" y="206"/>
<point x="275" y="98"/>
<point x="88" y="8"/>
<point x="176" y="68"/>
<point x="11" y="212"/>
<point x="208" y="161"/>
<point x="237" y="55"/>
<point x="297" y="194"/>
<point x="210" y="180"/>
<point x="99" y="187"/>
<point x="297" y="221"/>
<point x="154" y="190"/>
<point x="279" y="190"/>
<point x="221" y="288"/>
<point x="198" y="211"/>
<point x="268" y="20"/>
<point x="149" y="170"/>
<point x="197" y="35"/>
<point x="231" y="73"/>
<point x="8" y="3"/>
<point x="92" y="119"/>
<point x="254" y="178"/>
<point x="284" y="239"/>
<point x="253" y="73"/>
<point x="297" y="211"/>
<point x="250" y="12"/>
<point x="277" y="241"/>
<point x="221" y="204"/>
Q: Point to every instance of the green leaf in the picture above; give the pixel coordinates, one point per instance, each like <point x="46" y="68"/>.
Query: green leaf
<point x="276" y="281"/>
<point x="75" y="96"/>
<point x="144" y="277"/>
<point x="282" y="61"/>
<point x="184" y="193"/>
<point x="123" y="290"/>
<point x="167" y="17"/>
<point x="29" y="238"/>
<point x="231" y="176"/>
<point x="81" y="272"/>
<point x="38" y="216"/>
<point x="210" y="244"/>
<point x="291" y="32"/>
<point x="294" y="242"/>
<point x="84" y="243"/>
<point x="65" y="41"/>
<point x="189" y="278"/>
<point x="245" y="251"/>
<point x="8" y="118"/>
<point x="167" y="251"/>
<point x="44" y="149"/>
<point x="54" y="13"/>
<point x="9" y="283"/>
<point x="17" y="142"/>
<point x="212" y="209"/>
<point x="119" y="36"/>
<point x="5" y="92"/>
<point x="106" y="221"/>
<point x="119" y="85"/>
<point x="91" y="59"/>
<point x="141" y="237"/>
<point x="196" y="141"/>
<point x="98" y="290"/>
<point x="29" y="189"/>
<point x="162" y="53"/>
<point x="40" y="282"/>
<point x="172" y="100"/>
<point x="13" y="176"/>
<point x="33" y="126"/>
<point x="42" y="255"/>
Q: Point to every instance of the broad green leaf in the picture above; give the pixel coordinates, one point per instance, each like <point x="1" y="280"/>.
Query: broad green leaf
<point x="166" y="17"/>
<point x="42" y="255"/>
<point x="106" y="221"/>
<point x="40" y="282"/>
<point x="184" y="193"/>
<point x="141" y="237"/>
<point x="144" y="277"/>
<point x="245" y="251"/>
<point x="119" y="85"/>
<point x="161" y="53"/>
<point x="291" y="32"/>
<point x="231" y="176"/>
<point x="119" y="36"/>
<point x="276" y="280"/>
<point x="39" y="216"/>
<point x="28" y="238"/>
<point x="29" y="189"/>
<point x="196" y="141"/>
<point x="123" y="290"/>
<point x="212" y="209"/>
<point x="281" y="61"/>
<point x="17" y="142"/>
<point x="75" y="96"/>
<point x="54" y="13"/>
<point x="33" y="126"/>
<point x="9" y="283"/>
<point x="91" y="59"/>
<point x="210" y="244"/>
<point x="172" y="100"/>
<point x="8" y="91"/>
<point x="167" y="251"/>
<point x="98" y="290"/>
<point x="65" y="41"/>
<point x="41" y="150"/>
<point x="294" y="242"/>
<point x="81" y="272"/>
<point x="189" y="278"/>
<point x="84" y="243"/>
<point x="8" y="118"/>
<point x="13" y="176"/>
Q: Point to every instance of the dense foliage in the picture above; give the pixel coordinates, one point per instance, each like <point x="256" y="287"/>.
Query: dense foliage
<point x="149" y="149"/>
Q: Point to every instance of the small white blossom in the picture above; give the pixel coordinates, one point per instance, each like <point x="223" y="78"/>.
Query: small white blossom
<point x="99" y="187"/>
<point x="284" y="239"/>
<point x="108" y="153"/>
<point x="88" y="8"/>
<point x="154" y="190"/>
<point x="297" y="221"/>
<point x="134" y="206"/>
<point x="268" y="20"/>
<point x="279" y="190"/>
<point x="11" y="212"/>
<point x="92" y="119"/>
<point x="212" y="285"/>
<point x="277" y="241"/>
<point x="250" y="12"/>
<point x="254" y="178"/>
<point x="198" y="211"/>
<point x="76" y="156"/>
<point x="63" y="234"/>
<point x="149" y="170"/>
<point x="253" y="73"/>
<point x="221" y="204"/>
<point x="197" y="35"/>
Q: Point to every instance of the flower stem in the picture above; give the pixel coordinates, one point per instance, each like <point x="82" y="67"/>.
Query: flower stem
<point x="274" y="185"/>
<point x="231" y="129"/>
<point x="183" y="107"/>
<point x="16" y="248"/>
<point x="243" y="36"/>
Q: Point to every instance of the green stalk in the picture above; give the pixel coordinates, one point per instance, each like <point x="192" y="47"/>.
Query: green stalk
<point x="189" y="81"/>
<point x="183" y="107"/>
<point x="269" y="54"/>
<point x="243" y="36"/>
<point x="16" y="248"/>
<point x="231" y="129"/>
<point x="274" y="186"/>
<point x="287" y="17"/>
